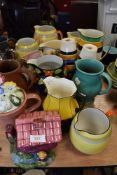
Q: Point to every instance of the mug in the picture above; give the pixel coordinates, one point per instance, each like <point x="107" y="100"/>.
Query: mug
<point x="12" y="70"/>
<point x="110" y="55"/>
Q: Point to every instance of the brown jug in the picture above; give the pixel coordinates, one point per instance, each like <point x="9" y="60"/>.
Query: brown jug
<point x="13" y="70"/>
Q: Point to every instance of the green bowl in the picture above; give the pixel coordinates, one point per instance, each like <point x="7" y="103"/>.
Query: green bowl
<point x="91" y="35"/>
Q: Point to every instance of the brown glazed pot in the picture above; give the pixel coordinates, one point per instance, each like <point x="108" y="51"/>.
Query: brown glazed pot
<point x="12" y="70"/>
<point x="9" y="117"/>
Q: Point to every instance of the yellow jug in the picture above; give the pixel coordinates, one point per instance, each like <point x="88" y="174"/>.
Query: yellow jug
<point x="61" y="97"/>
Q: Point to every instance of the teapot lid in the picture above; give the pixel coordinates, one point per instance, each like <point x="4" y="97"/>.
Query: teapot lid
<point x="60" y="87"/>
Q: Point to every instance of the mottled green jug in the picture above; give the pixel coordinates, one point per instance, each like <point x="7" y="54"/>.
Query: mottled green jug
<point x="88" y="78"/>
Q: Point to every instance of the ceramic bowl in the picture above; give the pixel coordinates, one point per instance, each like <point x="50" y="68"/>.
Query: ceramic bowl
<point x="91" y="35"/>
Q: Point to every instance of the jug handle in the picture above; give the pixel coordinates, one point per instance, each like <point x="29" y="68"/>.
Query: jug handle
<point x="80" y="97"/>
<point x="60" y="34"/>
<point x="29" y="76"/>
<point x="34" y="106"/>
<point x="109" y="81"/>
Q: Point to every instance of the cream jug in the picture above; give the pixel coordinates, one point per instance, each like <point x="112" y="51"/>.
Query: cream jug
<point x="90" y="131"/>
<point x="60" y="97"/>
<point x="46" y="33"/>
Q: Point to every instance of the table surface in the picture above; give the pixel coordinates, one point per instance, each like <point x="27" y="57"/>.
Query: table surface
<point x="66" y="154"/>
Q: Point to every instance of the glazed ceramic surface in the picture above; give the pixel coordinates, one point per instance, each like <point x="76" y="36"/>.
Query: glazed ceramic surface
<point x="60" y="97"/>
<point x="46" y="33"/>
<point x="111" y="54"/>
<point x="88" y="51"/>
<point x="68" y="52"/>
<point x="112" y="71"/>
<point x="91" y="35"/>
<point x="88" y="78"/>
<point x="12" y="70"/>
<point x="90" y="131"/>
<point x="25" y="46"/>
<point x="10" y="116"/>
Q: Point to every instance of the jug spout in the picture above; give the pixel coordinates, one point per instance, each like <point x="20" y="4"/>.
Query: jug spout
<point x="54" y="85"/>
<point x="36" y="27"/>
<point x="89" y="121"/>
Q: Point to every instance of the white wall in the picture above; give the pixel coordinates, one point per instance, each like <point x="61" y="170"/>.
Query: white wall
<point x="107" y="15"/>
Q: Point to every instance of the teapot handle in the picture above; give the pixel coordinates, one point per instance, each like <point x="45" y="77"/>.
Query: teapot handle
<point x="34" y="106"/>
<point x="80" y="97"/>
<point x="60" y="34"/>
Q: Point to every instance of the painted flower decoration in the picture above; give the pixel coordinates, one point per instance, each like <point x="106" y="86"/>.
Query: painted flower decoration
<point x="9" y="86"/>
<point x="1" y="90"/>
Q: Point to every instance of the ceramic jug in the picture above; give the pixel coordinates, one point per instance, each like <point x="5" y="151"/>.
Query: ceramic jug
<point x="88" y="78"/>
<point x="15" y="71"/>
<point x="90" y="131"/>
<point x="92" y="36"/>
<point x="46" y="33"/>
<point x="60" y="97"/>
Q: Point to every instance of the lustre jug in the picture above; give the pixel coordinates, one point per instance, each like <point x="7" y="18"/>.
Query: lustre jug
<point x="88" y="78"/>
<point x="61" y="98"/>
<point x="46" y="33"/>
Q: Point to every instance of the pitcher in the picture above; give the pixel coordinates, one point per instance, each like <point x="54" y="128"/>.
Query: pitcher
<point x="46" y="33"/>
<point x="88" y="78"/>
<point x="61" y="97"/>
<point x="90" y="131"/>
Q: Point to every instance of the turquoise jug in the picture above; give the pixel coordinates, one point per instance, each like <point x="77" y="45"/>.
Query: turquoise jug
<point x="88" y="78"/>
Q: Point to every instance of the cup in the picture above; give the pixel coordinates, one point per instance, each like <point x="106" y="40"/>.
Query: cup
<point x="110" y="55"/>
